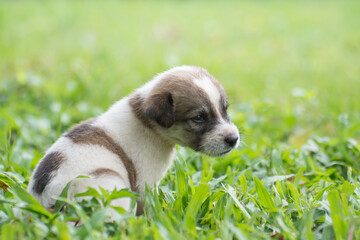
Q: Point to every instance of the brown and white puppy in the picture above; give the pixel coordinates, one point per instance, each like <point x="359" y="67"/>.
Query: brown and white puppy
<point x="133" y="142"/>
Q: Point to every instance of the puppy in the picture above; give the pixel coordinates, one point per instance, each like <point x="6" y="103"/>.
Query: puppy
<point x="133" y="143"/>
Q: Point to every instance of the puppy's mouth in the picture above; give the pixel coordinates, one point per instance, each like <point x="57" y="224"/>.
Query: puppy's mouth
<point x="224" y="153"/>
<point x="215" y="154"/>
<point x="221" y="154"/>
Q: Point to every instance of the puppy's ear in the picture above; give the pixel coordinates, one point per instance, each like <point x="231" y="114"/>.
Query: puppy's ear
<point x="160" y="108"/>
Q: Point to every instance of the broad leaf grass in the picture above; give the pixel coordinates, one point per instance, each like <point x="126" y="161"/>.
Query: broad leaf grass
<point x="291" y="70"/>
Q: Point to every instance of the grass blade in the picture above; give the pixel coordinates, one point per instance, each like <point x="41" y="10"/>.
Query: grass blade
<point x="341" y="227"/>
<point x="264" y="196"/>
<point x="231" y="191"/>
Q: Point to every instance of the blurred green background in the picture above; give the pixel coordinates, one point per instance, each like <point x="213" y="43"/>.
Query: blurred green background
<point x="291" y="69"/>
<point x="292" y="73"/>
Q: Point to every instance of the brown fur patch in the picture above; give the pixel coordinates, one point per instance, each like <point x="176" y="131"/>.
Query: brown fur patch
<point x="174" y="96"/>
<point x="137" y="106"/>
<point x="85" y="133"/>
<point x="43" y="174"/>
<point x="160" y="108"/>
<point x="186" y="95"/>
<point x="104" y="171"/>
<point x="139" y="207"/>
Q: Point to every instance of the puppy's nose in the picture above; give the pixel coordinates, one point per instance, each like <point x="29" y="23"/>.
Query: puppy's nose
<point x="231" y="140"/>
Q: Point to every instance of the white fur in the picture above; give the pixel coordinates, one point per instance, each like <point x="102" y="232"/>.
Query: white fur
<point x="211" y="90"/>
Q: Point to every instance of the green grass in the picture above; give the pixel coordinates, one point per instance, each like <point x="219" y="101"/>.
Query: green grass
<point x="291" y="70"/>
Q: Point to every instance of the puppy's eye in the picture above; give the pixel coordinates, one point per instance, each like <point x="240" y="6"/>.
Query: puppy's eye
<point x="198" y="119"/>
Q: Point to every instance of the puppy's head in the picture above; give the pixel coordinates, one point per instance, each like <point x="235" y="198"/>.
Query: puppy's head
<point x="188" y="106"/>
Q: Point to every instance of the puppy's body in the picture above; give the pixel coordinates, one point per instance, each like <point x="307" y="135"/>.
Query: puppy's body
<point x="133" y="143"/>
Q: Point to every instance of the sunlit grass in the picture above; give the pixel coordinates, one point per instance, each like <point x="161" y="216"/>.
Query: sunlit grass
<point x="291" y="70"/>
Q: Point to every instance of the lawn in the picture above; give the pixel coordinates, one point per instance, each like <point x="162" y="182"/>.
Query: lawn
<point x="291" y="70"/>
